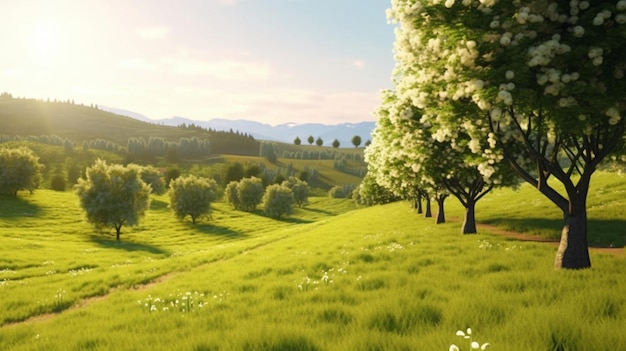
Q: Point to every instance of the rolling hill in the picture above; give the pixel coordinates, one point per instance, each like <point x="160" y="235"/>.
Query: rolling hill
<point x="76" y="122"/>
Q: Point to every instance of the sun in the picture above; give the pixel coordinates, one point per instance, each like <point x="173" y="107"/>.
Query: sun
<point x="44" y="43"/>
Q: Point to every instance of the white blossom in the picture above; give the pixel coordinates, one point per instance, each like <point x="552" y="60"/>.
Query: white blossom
<point x="579" y="31"/>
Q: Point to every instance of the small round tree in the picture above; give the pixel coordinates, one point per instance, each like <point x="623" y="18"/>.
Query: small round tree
<point x="192" y="196"/>
<point x="278" y="201"/>
<point x="356" y="141"/>
<point x="336" y="143"/>
<point x="153" y="178"/>
<point x="319" y="142"/>
<point x="113" y="195"/>
<point x="231" y="195"/>
<point x="19" y="170"/>
<point x="300" y="190"/>
<point x="310" y="140"/>
<point x="57" y="182"/>
<point x="250" y="193"/>
<point x="297" y="141"/>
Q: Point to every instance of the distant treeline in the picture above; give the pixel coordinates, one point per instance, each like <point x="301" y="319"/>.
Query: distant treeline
<point x="228" y="142"/>
<point x="138" y="148"/>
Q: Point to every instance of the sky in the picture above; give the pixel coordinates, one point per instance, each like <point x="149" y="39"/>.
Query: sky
<point x="272" y="61"/>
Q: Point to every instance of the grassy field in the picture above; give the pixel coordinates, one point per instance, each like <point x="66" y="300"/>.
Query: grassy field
<point x="331" y="277"/>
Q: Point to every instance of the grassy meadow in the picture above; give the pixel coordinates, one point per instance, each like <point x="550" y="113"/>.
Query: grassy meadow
<point x="330" y="277"/>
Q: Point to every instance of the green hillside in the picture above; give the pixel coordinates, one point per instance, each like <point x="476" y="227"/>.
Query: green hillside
<point x="29" y="119"/>
<point x="77" y="123"/>
<point x="330" y="277"/>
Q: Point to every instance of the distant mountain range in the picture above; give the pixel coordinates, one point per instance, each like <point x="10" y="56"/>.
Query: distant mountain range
<point x="286" y="133"/>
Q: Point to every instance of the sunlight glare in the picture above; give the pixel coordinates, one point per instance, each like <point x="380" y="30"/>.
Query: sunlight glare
<point x="44" y="43"/>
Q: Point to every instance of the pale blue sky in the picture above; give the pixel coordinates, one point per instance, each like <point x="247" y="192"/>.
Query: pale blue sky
<point x="274" y="61"/>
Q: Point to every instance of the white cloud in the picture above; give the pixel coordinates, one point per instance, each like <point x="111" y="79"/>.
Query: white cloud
<point x="154" y="32"/>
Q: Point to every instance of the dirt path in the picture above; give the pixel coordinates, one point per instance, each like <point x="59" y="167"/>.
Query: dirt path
<point x="81" y="303"/>
<point x="492" y="229"/>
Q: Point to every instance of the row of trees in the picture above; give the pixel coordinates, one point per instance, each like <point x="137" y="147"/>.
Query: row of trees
<point x="277" y="199"/>
<point x="356" y="141"/>
<point x="486" y="89"/>
<point x="115" y="195"/>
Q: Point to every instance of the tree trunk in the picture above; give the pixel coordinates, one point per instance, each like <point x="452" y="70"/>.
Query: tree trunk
<point x="118" y="229"/>
<point x="469" y="224"/>
<point x="428" y="212"/>
<point x="573" y="252"/>
<point x="418" y="204"/>
<point x="441" y="216"/>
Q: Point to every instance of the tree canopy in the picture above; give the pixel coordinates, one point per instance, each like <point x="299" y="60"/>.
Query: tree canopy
<point x="192" y="196"/>
<point x="278" y="200"/>
<point x="113" y="195"/>
<point x="19" y="170"/>
<point x="543" y="80"/>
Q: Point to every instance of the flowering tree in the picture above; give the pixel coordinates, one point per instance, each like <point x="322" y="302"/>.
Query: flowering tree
<point x="439" y="160"/>
<point x="544" y="77"/>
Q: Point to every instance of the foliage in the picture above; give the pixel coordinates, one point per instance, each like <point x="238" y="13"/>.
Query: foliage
<point x="310" y="140"/>
<point x="192" y="196"/>
<point x="253" y="170"/>
<point x="297" y="141"/>
<point x="234" y="172"/>
<point x="371" y="193"/>
<point x="543" y="80"/>
<point x="154" y="179"/>
<point x="19" y="170"/>
<point x="113" y="195"/>
<point x="336" y="143"/>
<point x="172" y="173"/>
<point x="319" y="141"/>
<point x="268" y="150"/>
<point x="299" y="188"/>
<point x="250" y="193"/>
<point x="356" y="141"/>
<point x="278" y="200"/>
<point x="231" y="195"/>
<point x="341" y="191"/>
<point x="58" y="183"/>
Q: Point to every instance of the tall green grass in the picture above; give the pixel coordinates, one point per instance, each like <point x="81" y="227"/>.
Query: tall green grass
<point x="328" y="278"/>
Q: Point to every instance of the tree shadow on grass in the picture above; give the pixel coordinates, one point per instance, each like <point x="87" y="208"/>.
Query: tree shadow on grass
<point x="600" y="232"/>
<point x="127" y="245"/>
<point x="294" y="220"/>
<point x="16" y="208"/>
<point x="227" y="233"/>
<point x="158" y="205"/>
<point x="317" y="210"/>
